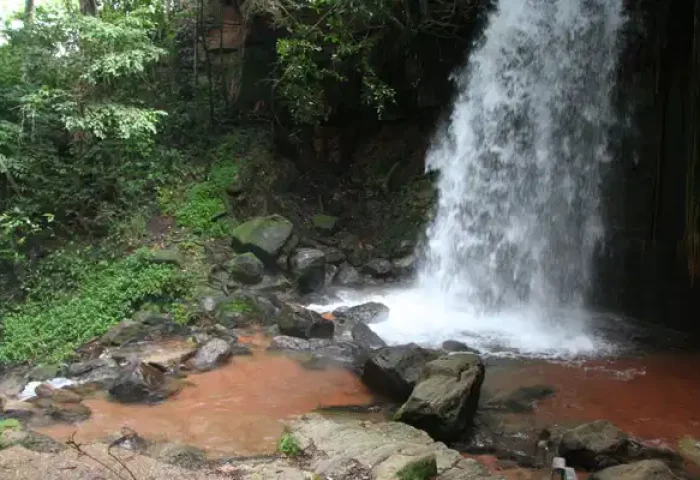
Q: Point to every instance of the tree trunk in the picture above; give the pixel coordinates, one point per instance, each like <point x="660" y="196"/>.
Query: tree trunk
<point x="88" y="7"/>
<point x="29" y="8"/>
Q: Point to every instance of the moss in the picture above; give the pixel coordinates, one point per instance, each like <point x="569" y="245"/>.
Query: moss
<point x="9" y="423"/>
<point x="423" y="469"/>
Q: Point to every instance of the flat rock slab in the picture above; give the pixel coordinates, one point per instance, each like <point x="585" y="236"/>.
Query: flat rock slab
<point x="383" y="448"/>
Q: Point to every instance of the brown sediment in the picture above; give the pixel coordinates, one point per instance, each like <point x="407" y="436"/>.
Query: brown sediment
<point x="237" y="409"/>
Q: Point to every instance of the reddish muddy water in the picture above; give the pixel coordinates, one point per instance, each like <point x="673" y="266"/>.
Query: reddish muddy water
<point x="237" y="409"/>
<point x="654" y="398"/>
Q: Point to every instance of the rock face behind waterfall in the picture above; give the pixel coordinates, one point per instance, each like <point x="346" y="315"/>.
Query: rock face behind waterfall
<point x="444" y="402"/>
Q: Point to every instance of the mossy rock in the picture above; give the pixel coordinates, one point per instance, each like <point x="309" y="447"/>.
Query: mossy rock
<point x="168" y="256"/>
<point x="325" y="224"/>
<point x="263" y="236"/>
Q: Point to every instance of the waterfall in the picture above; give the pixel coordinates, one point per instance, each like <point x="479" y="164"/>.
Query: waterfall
<point x="508" y="255"/>
<point x="518" y="211"/>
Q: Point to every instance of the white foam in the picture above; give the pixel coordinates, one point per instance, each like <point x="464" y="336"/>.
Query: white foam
<point x="30" y="389"/>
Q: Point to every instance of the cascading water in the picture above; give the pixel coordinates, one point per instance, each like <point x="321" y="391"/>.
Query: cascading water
<point x="508" y="253"/>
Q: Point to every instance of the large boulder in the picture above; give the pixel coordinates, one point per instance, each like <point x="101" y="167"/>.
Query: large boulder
<point x="365" y="337"/>
<point x="444" y="403"/>
<point x="143" y="383"/>
<point x="644" y="470"/>
<point x="348" y="276"/>
<point x="599" y="444"/>
<point x="325" y="224"/>
<point x="309" y="268"/>
<point x="368" y="313"/>
<point x="296" y="321"/>
<point x="263" y="236"/>
<point x="246" y="268"/>
<point x="212" y="354"/>
<point x="395" y="371"/>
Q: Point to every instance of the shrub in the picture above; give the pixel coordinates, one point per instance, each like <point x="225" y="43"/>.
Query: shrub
<point x="288" y="445"/>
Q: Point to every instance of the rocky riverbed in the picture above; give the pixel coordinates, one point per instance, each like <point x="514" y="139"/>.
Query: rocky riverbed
<point x="232" y="393"/>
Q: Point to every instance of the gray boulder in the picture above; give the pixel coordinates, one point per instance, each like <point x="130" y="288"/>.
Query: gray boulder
<point x="599" y="444"/>
<point x="365" y="337"/>
<point x="325" y="224"/>
<point x="644" y="470"/>
<point x="378" y="268"/>
<point x="369" y="313"/>
<point x="445" y="401"/>
<point x="334" y="255"/>
<point x="348" y="276"/>
<point x="455" y="346"/>
<point x="212" y="354"/>
<point x="296" y="321"/>
<point x="263" y="236"/>
<point x="246" y="268"/>
<point x="143" y="383"/>
<point x="317" y="352"/>
<point x="309" y="268"/>
<point x="395" y="371"/>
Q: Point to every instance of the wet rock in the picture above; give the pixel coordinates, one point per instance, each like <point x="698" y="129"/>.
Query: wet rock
<point x="167" y="256"/>
<point x="320" y="352"/>
<point x="69" y="412"/>
<point x="246" y="268"/>
<point x="644" y="470"/>
<point x="455" y="346"/>
<point x="263" y="236"/>
<point x="348" y="276"/>
<point x="521" y="400"/>
<point x="395" y="371"/>
<point x="597" y="445"/>
<point x="43" y="372"/>
<point x="445" y="401"/>
<point x="334" y="255"/>
<point x="291" y="245"/>
<point x="244" y="309"/>
<point x="282" y="262"/>
<point x="271" y="284"/>
<point x="325" y="224"/>
<point x="212" y="354"/>
<point x="143" y="383"/>
<point x="124" y="331"/>
<point x="368" y="313"/>
<point x="57" y="394"/>
<point x="99" y="370"/>
<point x="12" y="383"/>
<point x="309" y="268"/>
<point x="382" y="448"/>
<point x="365" y="337"/>
<point x="296" y="321"/>
<point x="378" y="268"/>
<point x="404" y="266"/>
<point x="331" y="271"/>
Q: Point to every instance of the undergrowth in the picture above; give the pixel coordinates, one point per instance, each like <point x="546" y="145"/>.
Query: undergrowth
<point x="288" y="445"/>
<point x="106" y="292"/>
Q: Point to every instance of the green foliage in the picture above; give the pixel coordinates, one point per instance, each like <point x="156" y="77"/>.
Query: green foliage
<point x="329" y="44"/>
<point x="197" y="206"/>
<point x="9" y="423"/>
<point x="107" y="293"/>
<point x="288" y="445"/>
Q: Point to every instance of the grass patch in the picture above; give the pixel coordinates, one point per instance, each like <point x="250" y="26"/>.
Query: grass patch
<point x="106" y="292"/>
<point x="288" y="445"/>
<point x="9" y="423"/>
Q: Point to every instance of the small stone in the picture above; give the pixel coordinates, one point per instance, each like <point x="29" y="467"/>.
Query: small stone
<point x="378" y="268"/>
<point x="246" y="268"/>
<point x="331" y="271"/>
<point x="57" y="394"/>
<point x="124" y="331"/>
<point x="404" y="266"/>
<point x="404" y="248"/>
<point x="44" y="372"/>
<point x="334" y="255"/>
<point x="325" y="224"/>
<point x="644" y="470"/>
<point x="283" y="263"/>
<point x="168" y="256"/>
